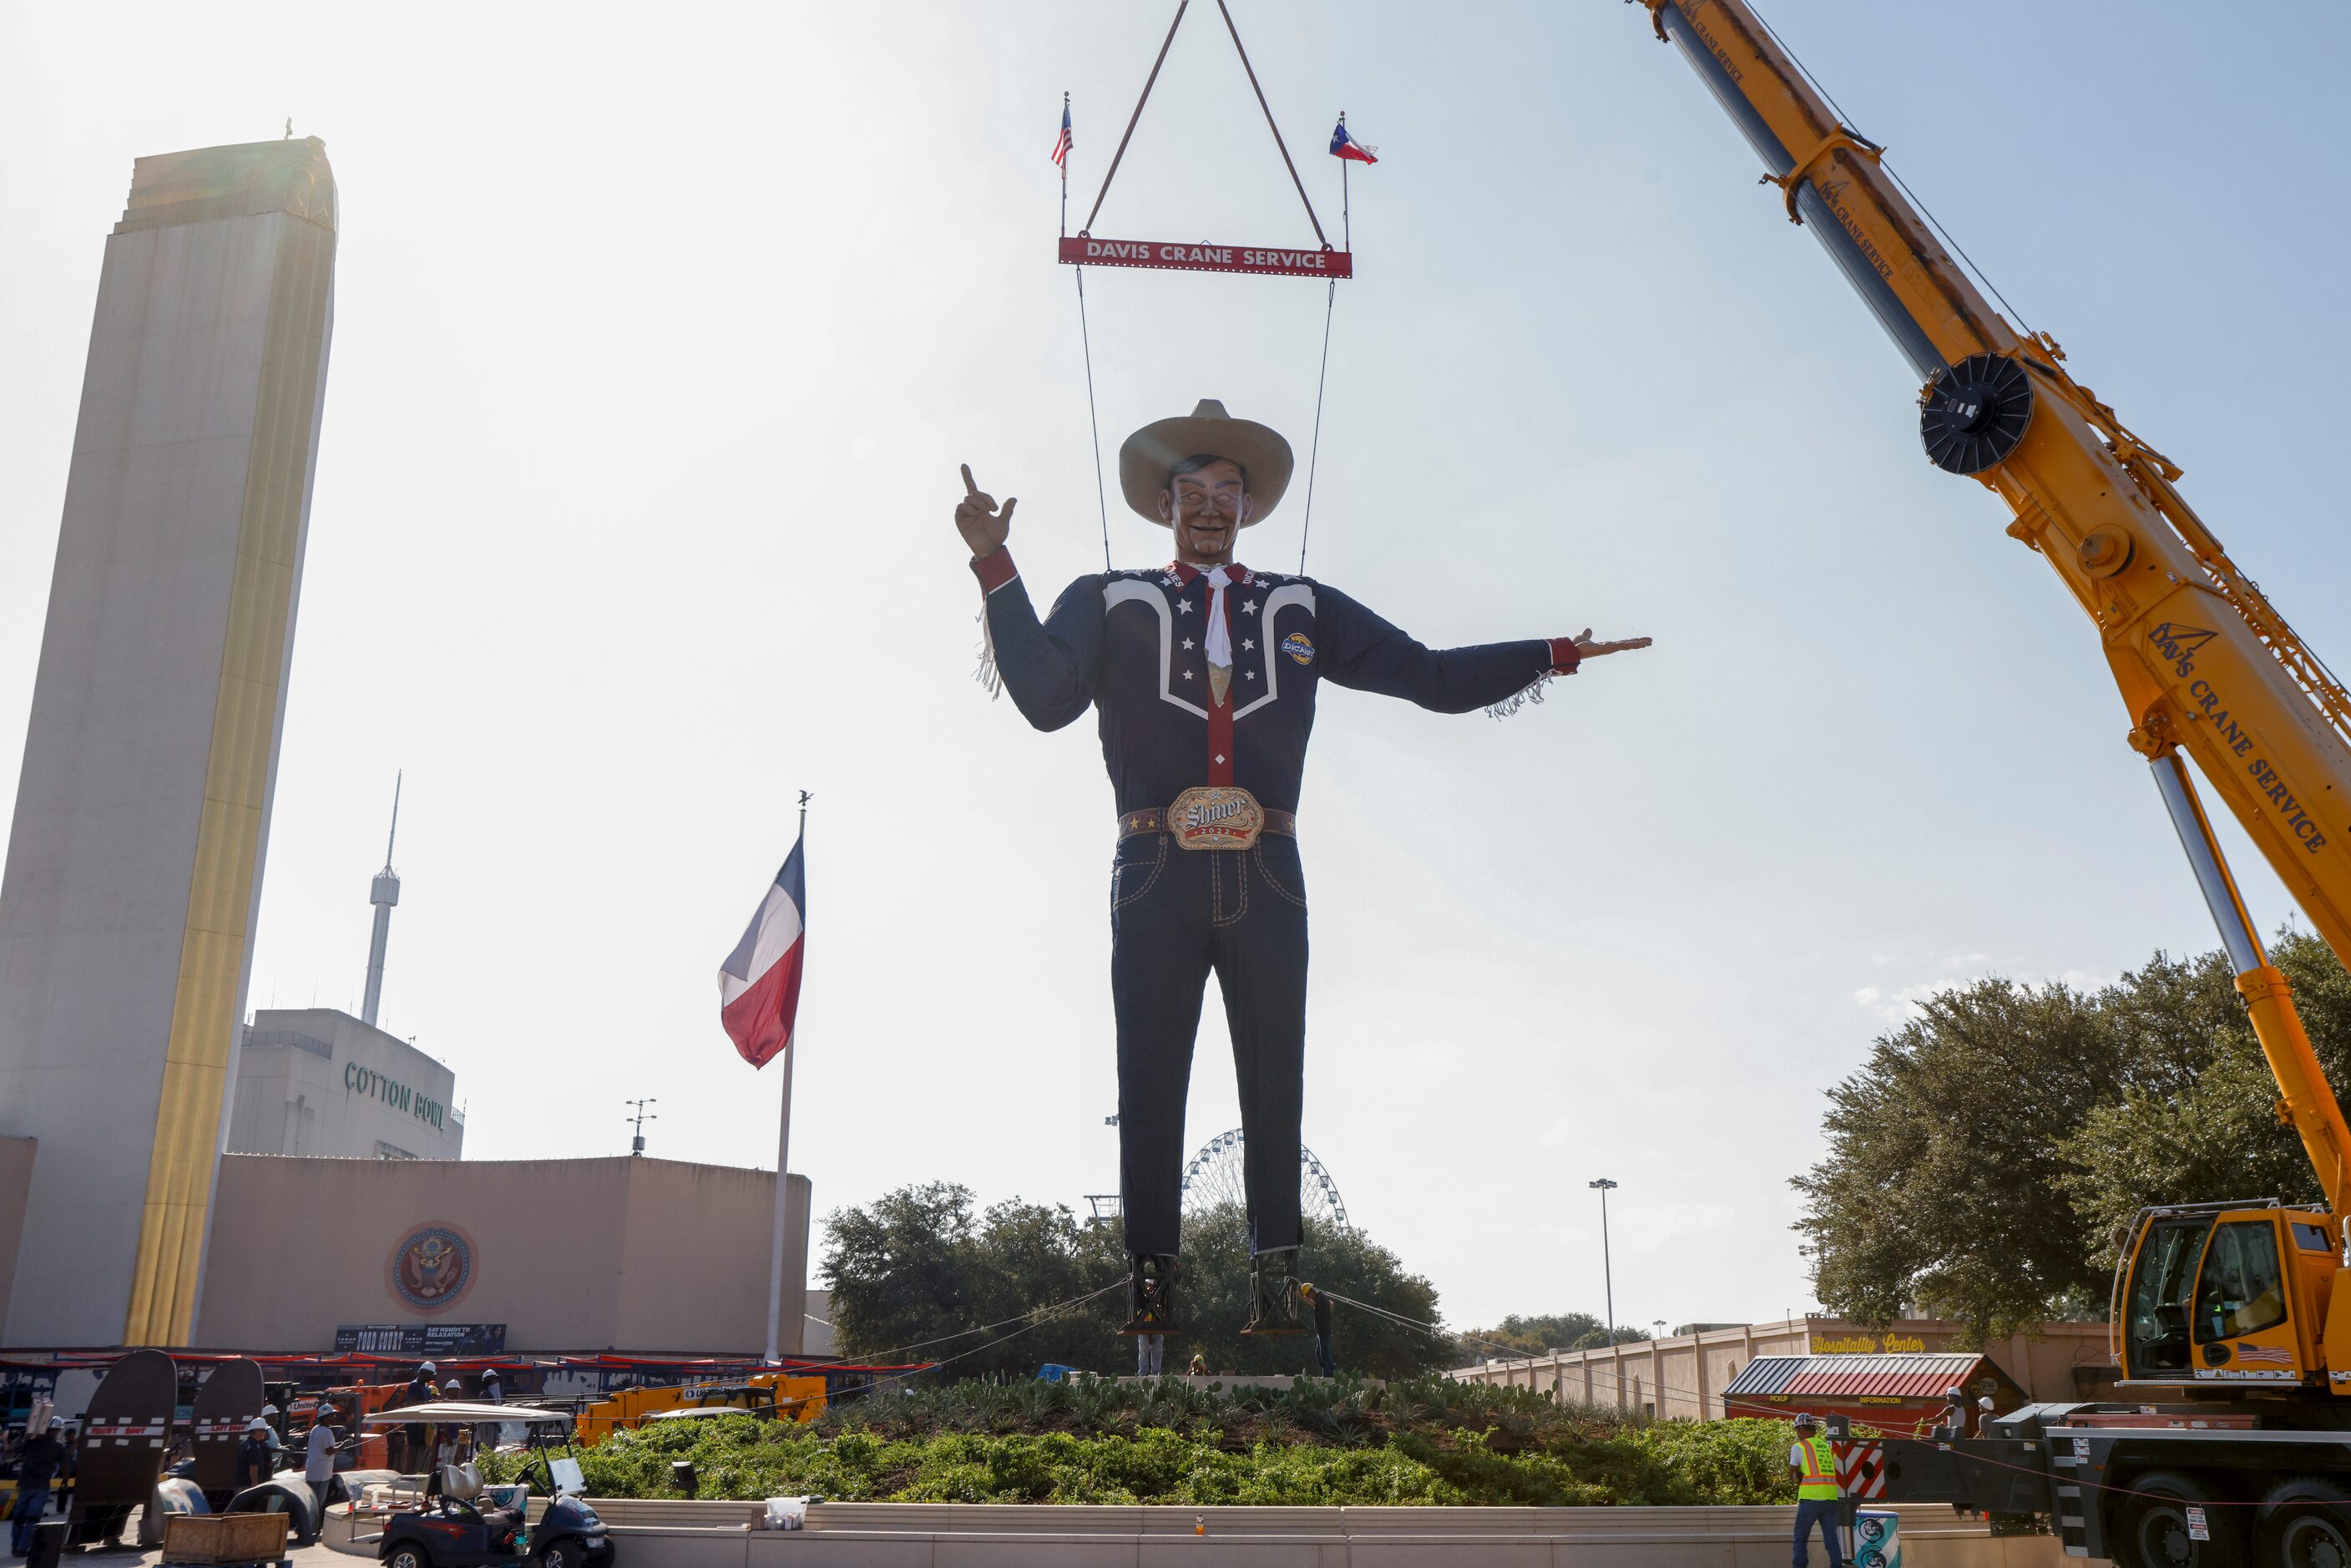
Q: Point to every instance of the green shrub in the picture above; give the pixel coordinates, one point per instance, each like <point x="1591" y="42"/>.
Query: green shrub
<point x="1418" y="1443"/>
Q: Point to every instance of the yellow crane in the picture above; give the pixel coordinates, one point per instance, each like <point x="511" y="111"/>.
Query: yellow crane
<point x="2233" y="1305"/>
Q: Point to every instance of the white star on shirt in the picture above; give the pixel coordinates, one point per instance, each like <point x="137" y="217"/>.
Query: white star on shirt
<point x="1187" y="644"/>
<point x="1247" y="643"/>
<point x="1248" y="607"/>
<point x="1248" y="674"/>
<point x="1168" y="579"/>
<point x="1187" y="674"/>
<point x="1183" y="606"/>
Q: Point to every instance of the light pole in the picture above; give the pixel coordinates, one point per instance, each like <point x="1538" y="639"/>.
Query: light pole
<point x="1608" y="1285"/>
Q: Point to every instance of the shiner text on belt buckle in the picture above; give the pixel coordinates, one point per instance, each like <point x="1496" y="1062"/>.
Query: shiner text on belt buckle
<point x="1215" y="817"/>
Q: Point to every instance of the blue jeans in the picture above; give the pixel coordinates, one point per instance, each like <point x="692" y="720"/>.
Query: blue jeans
<point x="1176" y="915"/>
<point x="30" y="1506"/>
<point x="1828" y="1512"/>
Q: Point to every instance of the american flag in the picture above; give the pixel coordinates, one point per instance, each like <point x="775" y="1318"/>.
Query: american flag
<point x="1061" y="142"/>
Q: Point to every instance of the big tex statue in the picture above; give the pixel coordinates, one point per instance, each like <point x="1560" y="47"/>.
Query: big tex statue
<point x="1202" y="675"/>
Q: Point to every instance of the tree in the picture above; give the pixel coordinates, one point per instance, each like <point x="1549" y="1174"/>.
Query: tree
<point x="915" y="1278"/>
<point x="2194" y="1118"/>
<point x="1944" y="1185"/>
<point x="1542" y="1334"/>
<point x="1982" y="1161"/>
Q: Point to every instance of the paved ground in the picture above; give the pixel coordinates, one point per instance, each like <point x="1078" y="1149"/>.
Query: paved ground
<point x="131" y="1557"/>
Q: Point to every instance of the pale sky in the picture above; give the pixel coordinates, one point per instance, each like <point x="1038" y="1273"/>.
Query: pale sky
<point x="661" y="332"/>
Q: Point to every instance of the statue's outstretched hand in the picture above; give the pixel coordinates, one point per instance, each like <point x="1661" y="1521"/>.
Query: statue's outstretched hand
<point x="1584" y="645"/>
<point x="982" y="525"/>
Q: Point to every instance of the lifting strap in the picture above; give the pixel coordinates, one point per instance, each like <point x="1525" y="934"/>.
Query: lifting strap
<point x="1084" y="249"/>
<point x="1326" y="263"/>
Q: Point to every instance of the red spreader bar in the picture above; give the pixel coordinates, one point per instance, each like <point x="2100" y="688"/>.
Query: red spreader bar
<point x="1081" y="251"/>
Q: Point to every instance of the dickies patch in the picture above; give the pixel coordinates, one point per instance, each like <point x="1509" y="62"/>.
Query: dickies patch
<point x="1298" y="647"/>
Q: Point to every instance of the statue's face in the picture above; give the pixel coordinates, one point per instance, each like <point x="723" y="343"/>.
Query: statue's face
<point x="1206" y="508"/>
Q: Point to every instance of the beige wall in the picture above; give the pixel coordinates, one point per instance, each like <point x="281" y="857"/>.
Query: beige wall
<point x="16" y="1188"/>
<point x="1683" y="1375"/>
<point x="571" y="1255"/>
<point x="314" y="1081"/>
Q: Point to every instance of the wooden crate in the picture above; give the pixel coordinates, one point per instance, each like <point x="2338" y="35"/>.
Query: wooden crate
<point x="216" y="1538"/>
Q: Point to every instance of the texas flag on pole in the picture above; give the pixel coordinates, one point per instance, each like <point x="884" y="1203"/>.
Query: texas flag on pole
<point x="1345" y="146"/>
<point x="759" y="984"/>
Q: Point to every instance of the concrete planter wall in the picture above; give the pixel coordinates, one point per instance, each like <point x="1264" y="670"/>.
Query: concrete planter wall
<point x="658" y="1533"/>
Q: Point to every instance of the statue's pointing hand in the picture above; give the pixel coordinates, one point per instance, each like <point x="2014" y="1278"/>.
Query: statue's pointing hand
<point x="1584" y="645"/>
<point x="982" y="525"/>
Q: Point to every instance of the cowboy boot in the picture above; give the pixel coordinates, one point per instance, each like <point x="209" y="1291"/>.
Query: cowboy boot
<point x="1151" y="1293"/>
<point x="1273" y="1292"/>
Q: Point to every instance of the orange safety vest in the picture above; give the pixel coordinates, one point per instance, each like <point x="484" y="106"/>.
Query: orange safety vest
<point x="1820" y="1481"/>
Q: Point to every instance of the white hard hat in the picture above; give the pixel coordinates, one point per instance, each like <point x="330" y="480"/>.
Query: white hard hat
<point x="256" y="1424"/>
<point x="428" y="1367"/>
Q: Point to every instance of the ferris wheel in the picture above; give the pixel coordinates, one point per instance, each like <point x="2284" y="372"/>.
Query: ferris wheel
<point x="1214" y="1177"/>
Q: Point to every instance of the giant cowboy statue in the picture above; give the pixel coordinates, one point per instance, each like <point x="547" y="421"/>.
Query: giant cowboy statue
<point x="1202" y="675"/>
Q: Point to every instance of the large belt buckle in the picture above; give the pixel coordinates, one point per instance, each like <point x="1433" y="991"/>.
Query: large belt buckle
<point x="1215" y="817"/>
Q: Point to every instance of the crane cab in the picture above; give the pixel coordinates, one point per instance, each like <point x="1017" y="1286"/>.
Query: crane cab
<point x="2232" y="1296"/>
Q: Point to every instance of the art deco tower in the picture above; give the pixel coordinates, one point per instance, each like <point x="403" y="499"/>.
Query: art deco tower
<point x="134" y="864"/>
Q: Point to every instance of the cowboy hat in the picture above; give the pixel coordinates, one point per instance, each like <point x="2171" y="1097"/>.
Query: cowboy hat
<point x="1207" y="431"/>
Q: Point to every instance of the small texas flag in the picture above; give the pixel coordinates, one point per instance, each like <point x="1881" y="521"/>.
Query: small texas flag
<point x="1345" y="146"/>
<point x="1062" y="143"/>
<point x="759" y="984"/>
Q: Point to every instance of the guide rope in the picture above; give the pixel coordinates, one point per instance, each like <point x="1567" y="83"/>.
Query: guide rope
<point x="1040" y="1314"/>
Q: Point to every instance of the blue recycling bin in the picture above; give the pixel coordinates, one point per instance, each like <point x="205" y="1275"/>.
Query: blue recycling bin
<point x="1877" y="1539"/>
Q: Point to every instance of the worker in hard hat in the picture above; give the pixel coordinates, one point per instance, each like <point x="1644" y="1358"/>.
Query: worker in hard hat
<point x="1202" y="675"/>
<point x="256" y="1456"/>
<point x="1812" y="1463"/>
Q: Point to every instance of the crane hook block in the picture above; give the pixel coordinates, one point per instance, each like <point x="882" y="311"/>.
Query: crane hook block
<point x="1973" y="414"/>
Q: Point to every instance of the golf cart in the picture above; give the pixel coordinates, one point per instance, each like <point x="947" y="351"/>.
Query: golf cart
<point x="465" y="1524"/>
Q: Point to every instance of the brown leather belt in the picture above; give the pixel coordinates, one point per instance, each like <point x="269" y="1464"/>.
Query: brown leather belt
<point x="1154" y="820"/>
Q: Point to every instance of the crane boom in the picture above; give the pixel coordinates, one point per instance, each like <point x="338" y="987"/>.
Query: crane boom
<point x="2204" y="663"/>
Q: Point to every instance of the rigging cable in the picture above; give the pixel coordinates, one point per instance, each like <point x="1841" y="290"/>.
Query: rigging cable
<point x="1284" y="147"/>
<point x="1314" y="452"/>
<point x="1182" y="6"/>
<point x="1101" y="496"/>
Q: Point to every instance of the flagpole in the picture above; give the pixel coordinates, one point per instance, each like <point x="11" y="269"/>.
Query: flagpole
<point x="1065" y="170"/>
<point x="783" y="1170"/>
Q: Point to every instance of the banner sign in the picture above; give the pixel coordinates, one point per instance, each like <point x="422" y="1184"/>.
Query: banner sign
<point x="1081" y="251"/>
<point x="422" y="1339"/>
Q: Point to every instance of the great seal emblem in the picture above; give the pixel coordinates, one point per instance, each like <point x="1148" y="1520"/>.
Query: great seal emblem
<point x="431" y="1267"/>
